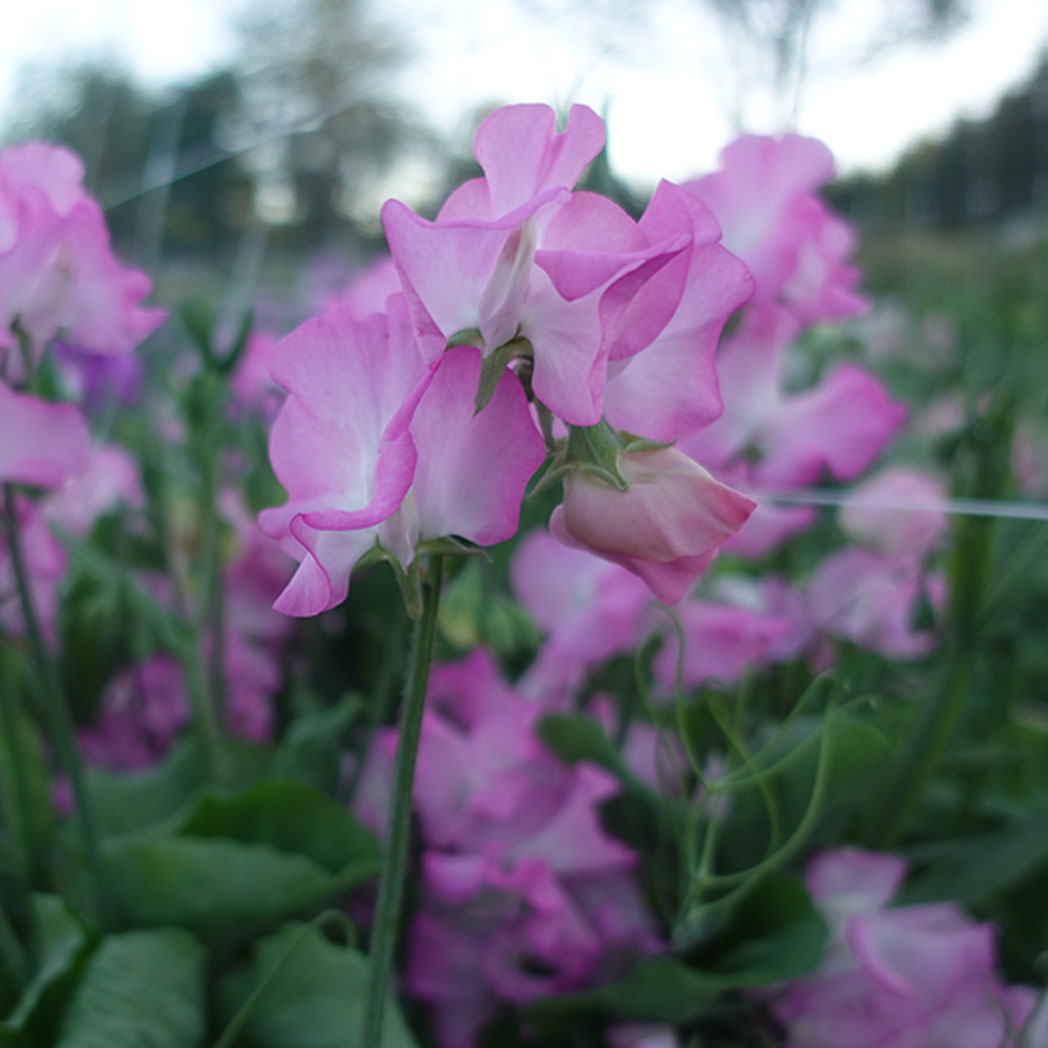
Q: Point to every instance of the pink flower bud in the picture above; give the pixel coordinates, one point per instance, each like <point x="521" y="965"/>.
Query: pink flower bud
<point x="665" y="527"/>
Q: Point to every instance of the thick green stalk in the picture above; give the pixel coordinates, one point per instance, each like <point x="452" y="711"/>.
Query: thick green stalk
<point x="59" y="719"/>
<point x="391" y="884"/>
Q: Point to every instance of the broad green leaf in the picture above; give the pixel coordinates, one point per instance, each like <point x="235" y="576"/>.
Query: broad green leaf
<point x="313" y="748"/>
<point x="125" y="802"/>
<point x="60" y="944"/>
<point x="576" y="737"/>
<point x="310" y="994"/>
<point x="139" y="988"/>
<point x="985" y="866"/>
<point x="658" y="988"/>
<point x="25" y="783"/>
<point x="218" y="888"/>
<point x="289" y="817"/>
<point x="774" y="934"/>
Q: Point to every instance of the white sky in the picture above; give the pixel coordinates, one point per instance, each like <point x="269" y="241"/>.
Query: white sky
<point x="668" y="100"/>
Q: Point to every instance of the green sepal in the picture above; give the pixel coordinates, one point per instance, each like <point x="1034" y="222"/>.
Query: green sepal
<point x="494" y="365"/>
<point x="466" y="337"/>
<point x="596" y="450"/>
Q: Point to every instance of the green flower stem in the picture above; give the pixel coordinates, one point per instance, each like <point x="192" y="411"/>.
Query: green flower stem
<point x="391" y="885"/>
<point x="212" y="612"/>
<point x="57" y="711"/>
<point x="20" y="785"/>
<point x="968" y="575"/>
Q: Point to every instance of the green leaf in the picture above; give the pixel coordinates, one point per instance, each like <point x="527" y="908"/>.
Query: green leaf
<point x="60" y="944"/>
<point x="310" y="994"/>
<point x="218" y="888"/>
<point x="985" y="866"/>
<point x="775" y="934"/>
<point x="493" y="367"/>
<point x="289" y="817"/>
<point x="125" y="802"/>
<point x="577" y="737"/>
<point x="26" y="771"/>
<point x="312" y="750"/>
<point x="658" y="988"/>
<point x="139" y="988"/>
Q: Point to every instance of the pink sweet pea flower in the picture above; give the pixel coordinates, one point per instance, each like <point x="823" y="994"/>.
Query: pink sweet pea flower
<point x="768" y="441"/>
<point x="522" y="891"/>
<point x="57" y="273"/>
<point x="377" y="449"/>
<point x="589" y="608"/>
<point x="721" y="642"/>
<point x="764" y="198"/>
<point x="516" y="255"/>
<point x="41" y="444"/>
<point x="666" y="527"/>
<point x="111" y="477"/>
<point x="898" y="511"/>
<point x="906" y="977"/>
<point x="870" y="600"/>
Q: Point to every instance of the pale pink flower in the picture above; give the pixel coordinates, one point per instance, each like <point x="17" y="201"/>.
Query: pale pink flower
<point x="897" y="977"/>
<point x="770" y="441"/>
<point x="516" y="254"/>
<point x="111" y="477"/>
<point x="898" y="511"/>
<point x="870" y="600"/>
<point x="57" y="273"/>
<point x="41" y="444"/>
<point x="589" y="609"/>
<point x="795" y="247"/>
<point x="666" y="527"/>
<point x="377" y="449"/>
<point x="722" y="641"/>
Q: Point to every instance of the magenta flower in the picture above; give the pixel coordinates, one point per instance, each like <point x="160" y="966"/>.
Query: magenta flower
<point x="796" y="249"/>
<point x="57" y="273"/>
<point x="905" y="977"/>
<point x="522" y="892"/>
<point x="376" y="449"/>
<point x="666" y="527"/>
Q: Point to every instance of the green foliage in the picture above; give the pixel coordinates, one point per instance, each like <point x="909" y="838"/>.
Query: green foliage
<point x="60" y="944"/>
<point x="303" y="991"/>
<point x="144" y="987"/>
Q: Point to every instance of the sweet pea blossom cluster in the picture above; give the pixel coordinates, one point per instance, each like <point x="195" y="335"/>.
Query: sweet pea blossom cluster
<point x="522" y="893"/>
<point x="58" y="277"/>
<point x="532" y="320"/>
<point x="770" y="439"/>
<point x="904" y="976"/>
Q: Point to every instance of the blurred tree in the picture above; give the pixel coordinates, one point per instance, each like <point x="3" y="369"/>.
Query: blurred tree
<point x="99" y="112"/>
<point x="315" y="88"/>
